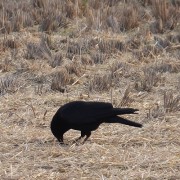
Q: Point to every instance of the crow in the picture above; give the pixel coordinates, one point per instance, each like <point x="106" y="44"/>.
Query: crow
<point x="86" y="117"/>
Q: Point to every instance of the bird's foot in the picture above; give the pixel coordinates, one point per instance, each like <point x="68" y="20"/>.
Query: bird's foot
<point x="63" y="144"/>
<point x="77" y="140"/>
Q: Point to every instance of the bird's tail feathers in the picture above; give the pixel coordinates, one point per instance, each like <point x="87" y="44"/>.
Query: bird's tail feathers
<point x="119" y="111"/>
<point x="121" y="120"/>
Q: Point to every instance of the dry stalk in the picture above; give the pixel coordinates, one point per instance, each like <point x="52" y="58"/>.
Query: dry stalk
<point x="57" y="60"/>
<point x="74" y="68"/>
<point x="60" y="80"/>
<point x="171" y="102"/>
<point x="100" y="83"/>
<point x="32" y="107"/>
<point x="9" y="84"/>
<point x="98" y="58"/>
<point x="160" y="8"/>
<point x="166" y="15"/>
<point x="44" y="116"/>
<point x="149" y="79"/>
<point x="156" y="112"/>
<point x="78" y="79"/>
<point x="39" y="89"/>
<point x="126" y="99"/>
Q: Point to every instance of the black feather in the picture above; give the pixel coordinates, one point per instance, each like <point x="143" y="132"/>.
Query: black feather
<point x="86" y="117"/>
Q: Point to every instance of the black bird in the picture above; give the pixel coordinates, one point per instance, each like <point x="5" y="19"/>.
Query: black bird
<point x="86" y="117"/>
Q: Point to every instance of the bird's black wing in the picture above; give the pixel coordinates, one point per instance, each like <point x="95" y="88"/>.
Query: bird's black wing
<point x="85" y="112"/>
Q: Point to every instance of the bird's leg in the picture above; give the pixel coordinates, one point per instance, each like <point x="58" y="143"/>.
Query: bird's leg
<point x="60" y="139"/>
<point x="88" y="134"/>
<point x="76" y="140"/>
<point x="61" y="142"/>
<point x="79" y="138"/>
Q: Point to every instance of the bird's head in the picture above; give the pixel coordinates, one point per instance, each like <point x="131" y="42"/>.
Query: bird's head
<point x="57" y="128"/>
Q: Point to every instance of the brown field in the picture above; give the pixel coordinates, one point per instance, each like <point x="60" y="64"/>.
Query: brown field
<point x="121" y="51"/>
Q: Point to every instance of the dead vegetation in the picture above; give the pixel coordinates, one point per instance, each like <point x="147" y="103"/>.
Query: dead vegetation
<point x="100" y="83"/>
<point x="60" y="80"/>
<point x="9" y="84"/>
<point x="166" y="14"/>
<point x="120" y="51"/>
<point x="148" y="80"/>
<point x="171" y="102"/>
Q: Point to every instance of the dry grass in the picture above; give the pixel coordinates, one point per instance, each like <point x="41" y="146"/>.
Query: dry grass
<point x="9" y="84"/>
<point x="171" y="103"/>
<point x="53" y="52"/>
<point x="148" y="80"/>
<point x="166" y="15"/>
<point x="60" y="80"/>
<point x="28" y="149"/>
